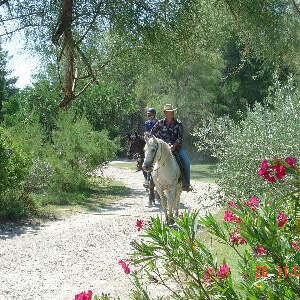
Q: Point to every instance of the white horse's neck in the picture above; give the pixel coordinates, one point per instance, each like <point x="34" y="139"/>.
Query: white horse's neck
<point x="165" y="157"/>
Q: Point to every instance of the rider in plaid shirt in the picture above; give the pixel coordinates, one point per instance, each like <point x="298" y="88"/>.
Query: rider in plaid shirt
<point x="170" y="130"/>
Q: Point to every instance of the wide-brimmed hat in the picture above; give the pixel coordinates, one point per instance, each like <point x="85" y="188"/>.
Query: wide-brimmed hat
<point x="169" y="107"/>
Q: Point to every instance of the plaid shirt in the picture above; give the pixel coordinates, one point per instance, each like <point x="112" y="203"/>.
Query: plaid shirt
<point x="171" y="133"/>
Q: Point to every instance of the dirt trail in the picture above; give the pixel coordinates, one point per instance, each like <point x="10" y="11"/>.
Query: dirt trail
<point x="59" y="259"/>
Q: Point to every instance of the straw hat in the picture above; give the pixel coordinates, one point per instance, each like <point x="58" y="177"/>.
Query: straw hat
<point x="169" y="107"/>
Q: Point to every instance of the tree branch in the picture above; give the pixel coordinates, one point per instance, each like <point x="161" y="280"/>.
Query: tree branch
<point x="19" y="29"/>
<point x="297" y="9"/>
<point x="84" y="88"/>
<point x="86" y="62"/>
<point x="3" y="2"/>
<point x="18" y="17"/>
<point x="91" y="24"/>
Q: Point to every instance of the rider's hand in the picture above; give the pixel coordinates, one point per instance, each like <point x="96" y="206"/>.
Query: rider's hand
<point x="172" y="147"/>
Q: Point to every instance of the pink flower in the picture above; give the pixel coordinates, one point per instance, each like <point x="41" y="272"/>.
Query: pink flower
<point x="236" y="239"/>
<point x="264" y="171"/>
<point x="281" y="219"/>
<point x="280" y="170"/>
<point x="207" y="276"/>
<point x="295" y="246"/>
<point x="264" y="167"/>
<point x="270" y="178"/>
<point x="230" y="217"/>
<point x="233" y="204"/>
<point x="124" y="266"/>
<point x="291" y="161"/>
<point x="261" y="250"/>
<point x="223" y="271"/>
<point x="139" y="224"/>
<point x="253" y="203"/>
<point x="84" y="296"/>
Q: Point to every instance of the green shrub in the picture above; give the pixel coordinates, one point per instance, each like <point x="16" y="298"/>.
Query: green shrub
<point x="262" y="232"/>
<point x="29" y="135"/>
<point x="76" y="151"/>
<point x="267" y="132"/>
<point x="14" y="168"/>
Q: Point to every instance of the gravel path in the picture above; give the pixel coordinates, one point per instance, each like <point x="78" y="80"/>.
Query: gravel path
<point x="58" y="259"/>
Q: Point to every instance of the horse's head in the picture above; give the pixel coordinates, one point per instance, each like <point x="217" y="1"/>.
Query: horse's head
<point x="135" y="145"/>
<point x="151" y="149"/>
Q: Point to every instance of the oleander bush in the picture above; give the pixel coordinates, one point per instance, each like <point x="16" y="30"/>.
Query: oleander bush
<point x="263" y="232"/>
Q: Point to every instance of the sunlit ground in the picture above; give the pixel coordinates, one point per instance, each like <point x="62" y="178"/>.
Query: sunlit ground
<point x="199" y="172"/>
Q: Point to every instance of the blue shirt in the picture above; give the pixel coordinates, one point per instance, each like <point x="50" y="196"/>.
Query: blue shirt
<point x="149" y="124"/>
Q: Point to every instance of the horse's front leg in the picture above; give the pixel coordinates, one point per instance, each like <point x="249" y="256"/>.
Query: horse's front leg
<point x="177" y="198"/>
<point x="163" y="200"/>
<point x="171" y="204"/>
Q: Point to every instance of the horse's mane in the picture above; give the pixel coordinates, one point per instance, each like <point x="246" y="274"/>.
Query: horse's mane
<point x="164" y="145"/>
<point x="166" y="149"/>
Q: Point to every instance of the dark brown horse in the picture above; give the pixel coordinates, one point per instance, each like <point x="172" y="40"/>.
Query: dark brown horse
<point x="136" y="144"/>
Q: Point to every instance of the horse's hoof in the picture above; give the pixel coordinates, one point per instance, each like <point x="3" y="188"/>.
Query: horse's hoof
<point x="170" y="221"/>
<point x="173" y="226"/>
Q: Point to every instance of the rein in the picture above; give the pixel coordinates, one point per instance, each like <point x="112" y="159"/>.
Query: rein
<point x="159" y="158"/>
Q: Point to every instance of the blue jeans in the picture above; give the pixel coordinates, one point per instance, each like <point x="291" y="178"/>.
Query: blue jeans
<point x="186" y="165"/>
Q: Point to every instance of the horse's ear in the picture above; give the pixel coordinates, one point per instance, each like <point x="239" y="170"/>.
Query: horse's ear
<point x="154" y="138"/>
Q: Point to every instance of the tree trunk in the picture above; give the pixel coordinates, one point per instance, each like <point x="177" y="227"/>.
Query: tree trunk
<point x="66" y="22"/>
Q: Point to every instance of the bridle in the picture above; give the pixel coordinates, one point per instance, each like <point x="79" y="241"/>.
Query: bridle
<point x="156" y="150"/>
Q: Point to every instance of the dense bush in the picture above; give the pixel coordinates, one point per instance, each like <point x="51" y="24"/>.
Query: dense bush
<point x="33" y="164"/>
<point x="267" y="132"/>
<point x="30" y="136"/>
<point x="76" y="151"/>
<point x="14" y="168"/>
<point x="38" y="103"/>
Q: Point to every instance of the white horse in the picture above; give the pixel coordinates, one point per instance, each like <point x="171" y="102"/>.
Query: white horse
<point x="165" y="173"/>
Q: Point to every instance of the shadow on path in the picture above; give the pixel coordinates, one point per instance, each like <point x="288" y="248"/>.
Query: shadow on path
<point x="11" y="230"/>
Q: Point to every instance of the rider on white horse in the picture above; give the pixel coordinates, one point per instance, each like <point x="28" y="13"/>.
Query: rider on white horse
<point x="170" y="130"/>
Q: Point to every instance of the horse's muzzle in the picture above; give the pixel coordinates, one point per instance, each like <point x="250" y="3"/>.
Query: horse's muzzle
<point x="147" y="168"/>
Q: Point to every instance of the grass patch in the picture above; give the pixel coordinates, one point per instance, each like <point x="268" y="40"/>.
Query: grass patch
<point x="124" y="165"/>
<point x="199" y="172"/>
<point x="203" y="172"/>
<point x="222" y="251"/>
<point x="99" y="193"/>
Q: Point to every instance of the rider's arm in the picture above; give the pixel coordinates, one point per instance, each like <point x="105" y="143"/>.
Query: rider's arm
<point x="155" y="129"/>
<point x="179" y="141"/>
<point x="146" y="129"/>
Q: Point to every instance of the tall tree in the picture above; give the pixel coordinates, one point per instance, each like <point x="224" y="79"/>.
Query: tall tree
<point x="265" y="28"/>
<point x="7" y="83"/>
